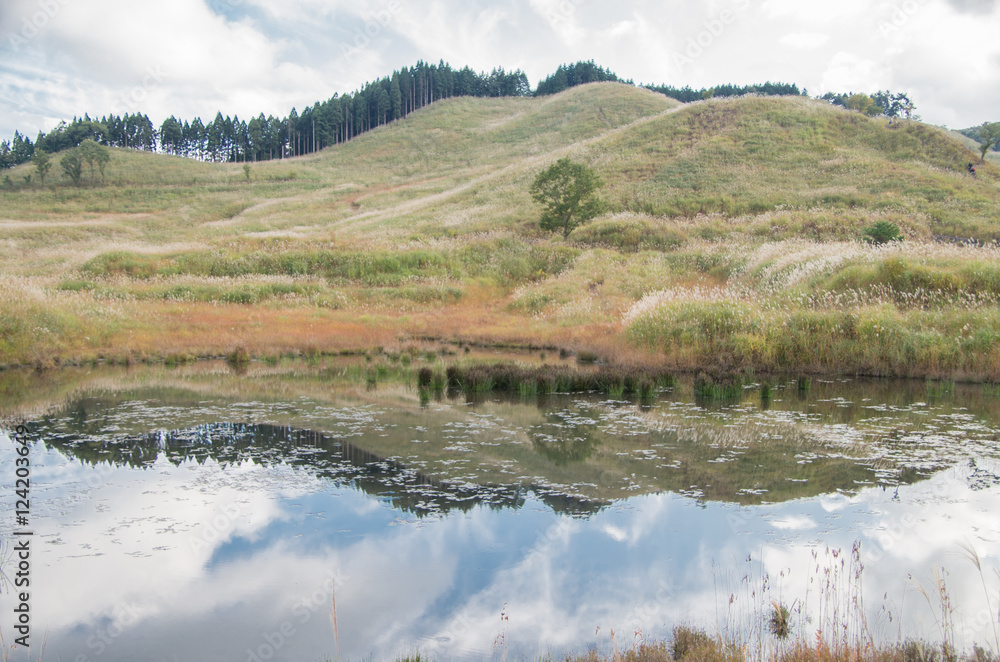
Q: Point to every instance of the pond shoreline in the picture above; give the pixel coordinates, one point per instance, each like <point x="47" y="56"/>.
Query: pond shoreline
<point x="633" y="366"/>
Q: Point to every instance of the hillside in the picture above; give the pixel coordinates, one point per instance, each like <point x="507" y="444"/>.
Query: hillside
<point x="731" y="241"/>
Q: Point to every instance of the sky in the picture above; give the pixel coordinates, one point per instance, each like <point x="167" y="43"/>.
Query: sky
<point x="187" y="58"/>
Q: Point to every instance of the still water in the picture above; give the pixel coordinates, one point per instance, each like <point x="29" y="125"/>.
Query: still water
<point x="288" y="514"/>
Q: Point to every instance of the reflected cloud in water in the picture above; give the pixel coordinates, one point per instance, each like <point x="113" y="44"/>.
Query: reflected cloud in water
<point x="224" y="541"/>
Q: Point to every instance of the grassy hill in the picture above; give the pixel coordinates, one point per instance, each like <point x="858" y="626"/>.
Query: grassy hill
<point x="731" y="242"/>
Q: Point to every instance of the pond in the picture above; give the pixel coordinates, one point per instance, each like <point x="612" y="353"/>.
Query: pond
<point x="290" y="513"/>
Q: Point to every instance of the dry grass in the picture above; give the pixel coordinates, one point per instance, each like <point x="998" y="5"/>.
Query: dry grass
<point x="746" y="208"/>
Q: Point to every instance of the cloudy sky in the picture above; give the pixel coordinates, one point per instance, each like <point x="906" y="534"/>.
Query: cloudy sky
<point x="60" y="58"/>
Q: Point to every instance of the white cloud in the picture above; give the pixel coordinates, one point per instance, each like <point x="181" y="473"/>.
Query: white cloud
<point x="560" y="15"/>
<point x="804" y="40"/>
<point x="623" y="28"/>
<point x="250" y="56"/>
<point x="794" y="523"/>
<point x="851" y="72"/>
<point x="462" y="38"/>
<point x="816" y="11"/>
<point x="615" y="533"/>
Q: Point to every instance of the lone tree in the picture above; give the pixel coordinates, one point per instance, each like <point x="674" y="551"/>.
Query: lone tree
<point x="42" y="164"/>
<point x="989" y="133"/>
<point x="567" y="190"/>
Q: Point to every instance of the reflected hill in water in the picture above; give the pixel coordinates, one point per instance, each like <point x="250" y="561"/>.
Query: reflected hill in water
<point x="325" y="457"/>
<point x="578" y="454"/>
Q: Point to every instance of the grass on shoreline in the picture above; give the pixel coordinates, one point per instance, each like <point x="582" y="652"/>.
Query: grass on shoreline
<point x="910" y="310"/>
<point x="832" y="625"/>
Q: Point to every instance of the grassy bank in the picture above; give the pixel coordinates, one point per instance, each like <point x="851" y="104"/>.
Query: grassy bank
<point x="731" y="242"/>
<point x="910" y="310"/>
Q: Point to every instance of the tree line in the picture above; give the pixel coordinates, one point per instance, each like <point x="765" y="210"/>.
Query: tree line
<point x="571" y="75"/>
<point x="342" y="117"/>
<point x="325" y="123"/>
<point x="688" y="94"/>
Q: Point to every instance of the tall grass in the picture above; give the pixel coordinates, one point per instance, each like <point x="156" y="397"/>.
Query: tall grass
<point x="832" y="625"/>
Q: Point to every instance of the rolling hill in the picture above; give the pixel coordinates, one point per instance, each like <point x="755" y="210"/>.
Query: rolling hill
<point x="731" y="242"/>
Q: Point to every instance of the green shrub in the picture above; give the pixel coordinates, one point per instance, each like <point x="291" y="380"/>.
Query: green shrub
<point x="882" y="232"/>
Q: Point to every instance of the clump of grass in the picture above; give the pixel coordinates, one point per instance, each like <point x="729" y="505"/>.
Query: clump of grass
<point x="527" y="388"/>
<point x="176" y="359"/>
<point x="646" y="388"/>
<point x="615" y="389"/>
<point x="438" y="381"/>
<point x="615" y="381"/>
<point x="424" y="377"/>
<point x="629" y="233"/>
<point x="726" y="386"/>
<point x="691" y="643"/>
<point x="239" y="358"/>
<point x="779" y="623"/>
<point x="766" y="393"/>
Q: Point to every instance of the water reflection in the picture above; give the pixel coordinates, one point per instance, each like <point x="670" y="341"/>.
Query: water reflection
<point x="180" y="523"/>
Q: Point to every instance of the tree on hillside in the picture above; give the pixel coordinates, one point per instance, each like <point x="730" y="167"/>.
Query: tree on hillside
<point x="989" y="134"/>
<point x="571" y="75"/>
<point x="864" y="104"/>
<point x="21" y="148"/>
<point x="72" y="164"/>
<point x="894" y="104"/>
<point x="42" y="163"/>
<point x="6" y="156"/>
<point x="383" y="107"/>
<point x="568" y="192"/>
<point x="171" y="136"/>
<point x="94" y="155"/>
<point x="396" y="97"/>
<point x="255" y="133"/>
<point x="686" y="94"/>
<point x="888" y="103"/>
<point x="195" y="138"/>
